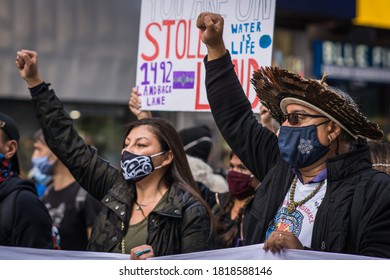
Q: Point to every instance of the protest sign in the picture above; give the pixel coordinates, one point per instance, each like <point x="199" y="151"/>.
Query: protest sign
<point x="170" y="70"/>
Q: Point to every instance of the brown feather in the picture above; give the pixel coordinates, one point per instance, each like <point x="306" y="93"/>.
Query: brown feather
<point x="272" y="84"/>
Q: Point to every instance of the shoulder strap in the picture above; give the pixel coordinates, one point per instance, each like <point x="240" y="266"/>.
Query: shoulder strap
<point x="217" y="200"/>
<point x="48" y="189"/>
<point x="81" y="196"/>
<point x="356" y="210"/>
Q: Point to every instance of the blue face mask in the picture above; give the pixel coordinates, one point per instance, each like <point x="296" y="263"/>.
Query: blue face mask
<point x="299" y="146"/>
<point x="44" y="165"/>
<point x="40" y="178"/>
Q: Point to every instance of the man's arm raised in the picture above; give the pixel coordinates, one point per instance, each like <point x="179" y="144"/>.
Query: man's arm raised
<point x="211" y="26"/>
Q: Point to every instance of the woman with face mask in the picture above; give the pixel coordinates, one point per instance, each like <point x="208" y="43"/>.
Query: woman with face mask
<point x="230" y="206"/>
<point x="153" y="207"/>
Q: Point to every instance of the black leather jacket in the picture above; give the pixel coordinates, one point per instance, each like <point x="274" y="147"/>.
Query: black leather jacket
<point x="182" y="225"/>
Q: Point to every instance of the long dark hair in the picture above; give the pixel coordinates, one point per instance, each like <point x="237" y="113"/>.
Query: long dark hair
<point x="227" y="229"/>
<point x="178" y="172"/>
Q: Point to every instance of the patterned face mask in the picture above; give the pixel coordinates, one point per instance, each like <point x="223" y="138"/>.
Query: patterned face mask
<point x="299" y="146"/>
<point x="136" y="167"/>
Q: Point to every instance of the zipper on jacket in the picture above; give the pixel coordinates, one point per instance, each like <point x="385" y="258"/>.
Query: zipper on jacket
<point x="325" y="235"/>
<point x="323" y="246"/>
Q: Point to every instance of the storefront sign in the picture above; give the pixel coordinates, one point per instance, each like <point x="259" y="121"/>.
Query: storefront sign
<point x="352" y="61"/>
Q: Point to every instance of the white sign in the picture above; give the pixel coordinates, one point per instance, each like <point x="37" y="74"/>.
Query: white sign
<point x="170" y="69"/>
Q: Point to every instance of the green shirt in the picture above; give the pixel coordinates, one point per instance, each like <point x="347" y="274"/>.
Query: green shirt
<point x="136" y="234"/>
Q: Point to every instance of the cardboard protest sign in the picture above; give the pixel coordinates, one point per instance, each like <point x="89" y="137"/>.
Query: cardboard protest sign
<point x="170" y="69"/>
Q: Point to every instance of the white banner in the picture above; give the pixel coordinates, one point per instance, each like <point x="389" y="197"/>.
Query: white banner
<point x="170" y="70"/>
<point x="252" y="252"/>
<point x="256" y="252"/>
<point x="242" y="263"/>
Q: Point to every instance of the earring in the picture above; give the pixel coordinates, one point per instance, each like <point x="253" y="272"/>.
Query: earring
<point x="330" y="139"/>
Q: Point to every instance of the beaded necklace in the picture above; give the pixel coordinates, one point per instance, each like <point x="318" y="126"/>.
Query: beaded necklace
<point x="123" y="245"/>
<point x="292" y="205"/>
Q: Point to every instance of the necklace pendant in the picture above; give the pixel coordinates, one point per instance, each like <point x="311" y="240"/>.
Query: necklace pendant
<point x="138" y="208"/>
<point x="291" y="207"/>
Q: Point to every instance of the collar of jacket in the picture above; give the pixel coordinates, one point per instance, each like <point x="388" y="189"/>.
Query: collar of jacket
<point x="174" y="203"/>
<point x="348" y="164"/>
<point x="120" y="198"/>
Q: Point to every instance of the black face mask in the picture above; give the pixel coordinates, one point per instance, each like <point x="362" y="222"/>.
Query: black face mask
<point x="136" y="167"/>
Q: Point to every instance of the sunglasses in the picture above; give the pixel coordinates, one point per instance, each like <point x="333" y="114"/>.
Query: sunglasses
<point x="293" y="118"/>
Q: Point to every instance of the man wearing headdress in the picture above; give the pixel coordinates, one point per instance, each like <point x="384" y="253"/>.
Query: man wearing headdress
<point x="319" y="190"/>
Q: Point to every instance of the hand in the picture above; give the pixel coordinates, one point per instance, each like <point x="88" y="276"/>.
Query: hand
<point x="266" y="118"/>
<point x="279" y="240"/>
<point x="135" y="105"/>
<point x="211" y="26"/>
<point x="27" y="63"/>
<point x="138" y="253"/>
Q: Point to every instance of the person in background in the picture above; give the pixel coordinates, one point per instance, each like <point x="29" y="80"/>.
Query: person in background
<point x="42" y="181"/>
<point x="152" y="206"/>
<point x="318" y="188"/>
<point x="24" y="220"/>
<point x="198" y="145"/>
<point x="380" y="156"/>
<point x="268" y="121"/>
<point x="231" y="206"/>
<point x="72" y="209"/>
<point x="197" y="141"/>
